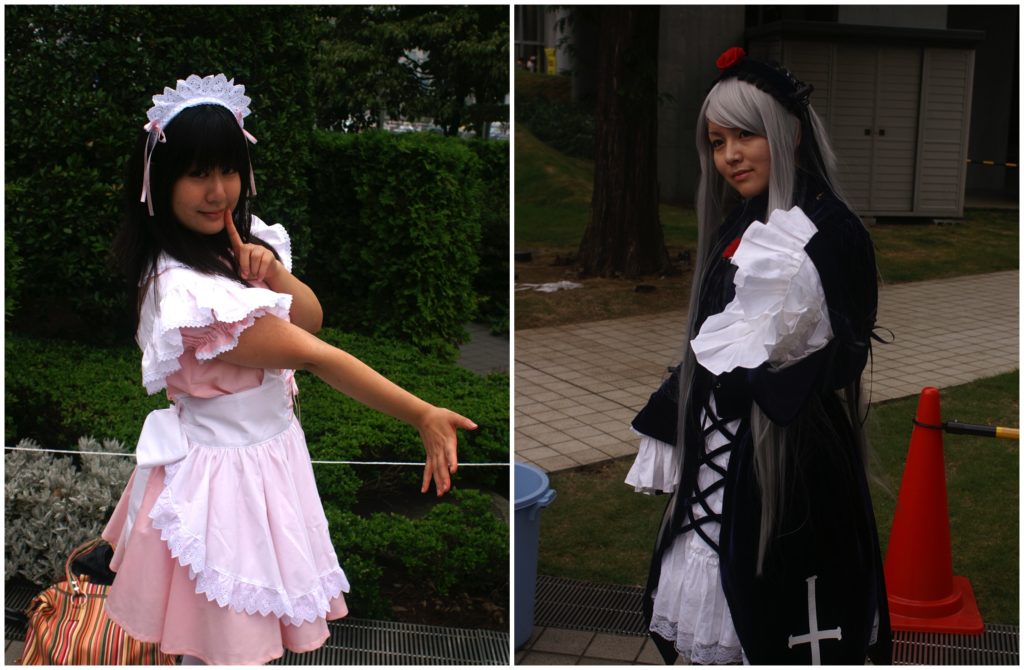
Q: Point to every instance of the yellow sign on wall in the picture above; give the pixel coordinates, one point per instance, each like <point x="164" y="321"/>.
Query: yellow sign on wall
<point x="549" y="61"/>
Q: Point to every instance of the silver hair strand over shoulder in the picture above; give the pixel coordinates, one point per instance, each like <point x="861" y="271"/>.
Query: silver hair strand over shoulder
<point x="793" y="143"/>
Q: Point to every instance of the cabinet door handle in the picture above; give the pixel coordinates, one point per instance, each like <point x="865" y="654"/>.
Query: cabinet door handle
<point x="881" y="133"/>
<point x="867" y="131"/>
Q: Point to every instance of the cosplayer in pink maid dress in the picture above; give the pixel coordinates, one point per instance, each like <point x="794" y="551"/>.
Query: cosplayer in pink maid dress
<point x="221" y="544"/>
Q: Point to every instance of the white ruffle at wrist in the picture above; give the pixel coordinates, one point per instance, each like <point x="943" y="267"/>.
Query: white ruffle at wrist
<point x="779" y="314"/>
<point x="656" y="467"/>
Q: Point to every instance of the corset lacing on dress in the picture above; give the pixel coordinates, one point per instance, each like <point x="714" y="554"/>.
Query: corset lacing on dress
<point x="712" y="424"/>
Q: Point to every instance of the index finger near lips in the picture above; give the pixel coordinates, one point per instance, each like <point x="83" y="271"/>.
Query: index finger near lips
<point x="229" y="227"/>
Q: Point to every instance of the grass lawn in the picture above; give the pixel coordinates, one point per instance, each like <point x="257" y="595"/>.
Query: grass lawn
<point x="552" y="207"/>
<point x="599" y="530"/>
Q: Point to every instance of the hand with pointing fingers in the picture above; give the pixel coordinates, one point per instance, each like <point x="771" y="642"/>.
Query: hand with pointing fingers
<point x="255" y="262"/>
<point x="438" y="429"/>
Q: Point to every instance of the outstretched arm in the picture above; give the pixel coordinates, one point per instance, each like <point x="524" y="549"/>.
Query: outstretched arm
<point x="257" y="263"/>
<point x="275" y="343"/>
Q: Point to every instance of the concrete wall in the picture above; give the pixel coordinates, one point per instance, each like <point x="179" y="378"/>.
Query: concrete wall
<point x="690" y="39"/>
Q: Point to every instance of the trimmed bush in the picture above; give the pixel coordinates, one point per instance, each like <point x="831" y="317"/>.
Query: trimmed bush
<point x="398" y="227"/>
<point x="79" y="80"/>
<point x="491" y="282"/>
<point x="458" y="546"/>
<point x="52" y="504"/>
<point x="55" y="389"/>
<point x="338" y="428"/>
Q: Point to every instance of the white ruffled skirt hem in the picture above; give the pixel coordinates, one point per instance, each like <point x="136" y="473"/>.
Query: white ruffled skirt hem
<point x="288" y="567"/>
<point x="690" y="609"/>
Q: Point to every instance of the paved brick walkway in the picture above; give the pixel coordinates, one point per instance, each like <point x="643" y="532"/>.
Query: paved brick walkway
<point x="578" y="386"/>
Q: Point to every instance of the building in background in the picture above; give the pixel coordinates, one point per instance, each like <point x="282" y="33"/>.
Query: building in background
<point x="921" y="100"/>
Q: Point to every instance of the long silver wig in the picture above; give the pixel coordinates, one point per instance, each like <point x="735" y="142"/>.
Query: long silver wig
<point x="737" y="104"/>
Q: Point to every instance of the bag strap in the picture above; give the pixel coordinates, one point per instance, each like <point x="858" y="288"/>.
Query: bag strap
<point x="80" y="550"/>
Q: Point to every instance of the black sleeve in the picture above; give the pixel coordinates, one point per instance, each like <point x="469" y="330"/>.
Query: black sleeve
<point x="660" y="415"/>
<point x="842" y="253"/>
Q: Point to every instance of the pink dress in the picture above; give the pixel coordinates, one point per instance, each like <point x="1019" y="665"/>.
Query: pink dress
<point x="221" y="544"/>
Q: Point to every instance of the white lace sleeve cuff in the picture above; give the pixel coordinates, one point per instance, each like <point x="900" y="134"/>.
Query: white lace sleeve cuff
<point x="277" y="237"/>
<point x="656" y="467"/>
<point x="189" y="299"/>
<point x="779" y="314"/>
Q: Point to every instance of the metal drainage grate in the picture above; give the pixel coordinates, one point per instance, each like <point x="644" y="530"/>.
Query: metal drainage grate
<point x="609" y="608"/>
<point x="351" y="641"/>
<point x="366" y="642"/>
<point x="606" y="608"/>
<point x="998" y="645"/>
<point x="18" y="596"/>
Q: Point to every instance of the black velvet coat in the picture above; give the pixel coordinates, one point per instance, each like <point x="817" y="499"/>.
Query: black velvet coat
<point x="827" y="531"/>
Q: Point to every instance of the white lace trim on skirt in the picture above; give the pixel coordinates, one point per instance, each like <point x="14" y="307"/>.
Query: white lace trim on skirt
<point x="232" y="590"/>
<point x="689" y="605"/>
<point x="690" y="609"/>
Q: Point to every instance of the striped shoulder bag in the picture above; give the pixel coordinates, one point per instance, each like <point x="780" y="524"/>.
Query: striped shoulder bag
<point x="68" y="625"/>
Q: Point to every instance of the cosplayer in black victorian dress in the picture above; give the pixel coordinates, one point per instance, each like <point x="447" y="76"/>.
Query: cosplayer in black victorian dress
<point x="822" y="569"/>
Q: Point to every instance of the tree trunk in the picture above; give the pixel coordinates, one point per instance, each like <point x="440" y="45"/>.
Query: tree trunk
<point x="624" y="235"/>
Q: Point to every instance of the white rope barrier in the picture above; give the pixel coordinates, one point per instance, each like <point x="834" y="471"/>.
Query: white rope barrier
<point x="114" y="453"/>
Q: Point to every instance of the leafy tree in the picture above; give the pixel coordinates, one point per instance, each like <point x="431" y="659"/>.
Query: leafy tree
<point x="446" y="63"/>
<point x="362" y="68"/>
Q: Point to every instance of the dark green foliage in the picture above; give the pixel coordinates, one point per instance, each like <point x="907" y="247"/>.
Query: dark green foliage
<point x="79" y="80"/>
<point x="545" y="106"/>
<point x="398" y="227"/>
<point x="445" y="63"/>
<point x="12" y="274"/>
<point x="459" y="545"/>
<point x="492" y="278"/>
<point x="57" y="391"/>
<point x="338" y="428"/>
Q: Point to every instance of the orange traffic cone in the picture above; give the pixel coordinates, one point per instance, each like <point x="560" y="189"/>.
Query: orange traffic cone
<point x="923" y="593"/>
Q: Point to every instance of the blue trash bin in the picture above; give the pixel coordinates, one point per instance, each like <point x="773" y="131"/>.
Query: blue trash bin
<point x="532" y="494"/>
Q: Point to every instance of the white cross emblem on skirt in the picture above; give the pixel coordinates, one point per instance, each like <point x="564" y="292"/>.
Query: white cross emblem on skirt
<point x="814" y="636"/>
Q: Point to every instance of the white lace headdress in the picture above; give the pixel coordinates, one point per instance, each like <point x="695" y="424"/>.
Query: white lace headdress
<point x="214" y="89"/>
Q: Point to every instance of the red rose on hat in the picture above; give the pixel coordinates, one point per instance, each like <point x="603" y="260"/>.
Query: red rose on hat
<point x="730" y="57"/>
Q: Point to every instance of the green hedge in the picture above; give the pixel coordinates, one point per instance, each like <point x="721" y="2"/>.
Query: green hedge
<point x="398" y="229"/>
<point x="338" y="428"/>
<point x="492" y="279"/>
<point x="78" y="82"/>
<point x="55" y="389"/>
<point x="459" y="546"/>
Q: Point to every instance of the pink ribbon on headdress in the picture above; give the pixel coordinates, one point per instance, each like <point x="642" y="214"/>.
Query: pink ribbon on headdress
<point x="248" y="136"/>
<point x="156" y="134"/>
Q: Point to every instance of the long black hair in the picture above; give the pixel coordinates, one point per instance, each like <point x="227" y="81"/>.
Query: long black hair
<point x="198" y="138"/>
